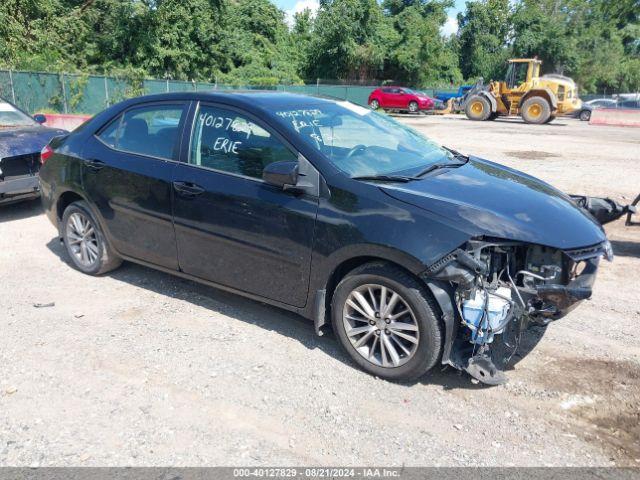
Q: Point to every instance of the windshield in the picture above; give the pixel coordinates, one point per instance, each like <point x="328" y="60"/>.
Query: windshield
<point x="361" y="142"/>
<point x="10" y="116"/>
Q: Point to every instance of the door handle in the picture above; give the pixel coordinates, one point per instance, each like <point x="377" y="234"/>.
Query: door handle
<point x="188" y="189"/>
<point x="94" y="164"/>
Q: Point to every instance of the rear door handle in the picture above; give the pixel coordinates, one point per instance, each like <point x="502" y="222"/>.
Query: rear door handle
<point x="188" y="189"/>
<point x="95" y="165"/>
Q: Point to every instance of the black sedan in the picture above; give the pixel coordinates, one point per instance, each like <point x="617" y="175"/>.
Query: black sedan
<point x="415" y="253"/>
<point x="21" y="140"/>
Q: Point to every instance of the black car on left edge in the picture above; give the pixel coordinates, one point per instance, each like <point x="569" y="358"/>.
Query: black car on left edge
<point x="416" y="254"/>
<point x="22" y="138"/>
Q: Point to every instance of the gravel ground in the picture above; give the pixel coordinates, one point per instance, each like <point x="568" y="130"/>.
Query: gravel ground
<point x="141" y="368"/>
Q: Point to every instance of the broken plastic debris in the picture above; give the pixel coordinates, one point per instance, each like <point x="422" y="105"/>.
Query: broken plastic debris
<point x="44" y="305"/>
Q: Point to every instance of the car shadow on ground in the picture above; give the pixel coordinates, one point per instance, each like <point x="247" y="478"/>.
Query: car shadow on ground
<point x="268" y="317"/>
<point x="20" y="210"/>
<point x="625" y="248"/>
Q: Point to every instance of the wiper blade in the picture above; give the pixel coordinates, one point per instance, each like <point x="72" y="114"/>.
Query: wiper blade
<point x="385" y="178"/>
<point x="457" y="154"/>
<point x="438" y="166"/>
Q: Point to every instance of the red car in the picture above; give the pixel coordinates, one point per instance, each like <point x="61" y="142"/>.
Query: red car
<point x="399" y="98"/>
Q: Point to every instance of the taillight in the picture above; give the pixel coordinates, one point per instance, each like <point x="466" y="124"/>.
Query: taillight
<point x="45" y="154"/>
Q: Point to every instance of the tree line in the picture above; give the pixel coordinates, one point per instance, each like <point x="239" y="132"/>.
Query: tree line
<point x="597" y="42"/>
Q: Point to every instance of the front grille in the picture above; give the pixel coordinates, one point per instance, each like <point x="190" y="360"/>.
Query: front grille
<point x="19" y="166"/>
<point x="579" y="254"/>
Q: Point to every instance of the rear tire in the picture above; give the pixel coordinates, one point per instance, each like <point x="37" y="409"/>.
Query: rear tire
<point x="84" y="241"/>
<point x="536" y="110"/>
<point x="551" y="119"/>
<point x="478" y="108"/>
<point x="585" y="115"/>
<point x="401" y="358"/>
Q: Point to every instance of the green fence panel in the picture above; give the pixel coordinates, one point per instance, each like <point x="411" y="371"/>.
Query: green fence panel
<point x="153" y="87"/>
<point x="5" y="86"/>
<point x="179" y="86"/>
<point x="89" y="94"/>
<point x="360" y="95"/>
<point x="86" y="94"/>
<point x="205" y="87"/>
<point x="35" y="92"/>
<point x="120" y="89"/>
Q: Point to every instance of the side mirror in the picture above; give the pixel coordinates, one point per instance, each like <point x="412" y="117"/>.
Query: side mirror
<point x="281" y="174"/>
<point x="40" y="118"/>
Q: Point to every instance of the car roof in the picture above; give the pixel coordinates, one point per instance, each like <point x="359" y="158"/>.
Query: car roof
<point x="266" y="99"/>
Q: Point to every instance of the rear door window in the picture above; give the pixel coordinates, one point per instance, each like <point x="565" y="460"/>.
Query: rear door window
<point x="109" y="134"/>
<point x="151" y="130"/>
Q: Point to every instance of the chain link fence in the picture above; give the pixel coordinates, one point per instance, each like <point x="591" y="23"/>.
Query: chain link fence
<point x="89" y="94"/>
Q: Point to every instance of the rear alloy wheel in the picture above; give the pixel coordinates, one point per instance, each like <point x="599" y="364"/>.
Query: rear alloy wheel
<point x="585" y="115"/>
<point x="85" y="242"/>
<point x="386" y="322"/>
<point x="374" y="104"/>
<point x="478" y="108"/>
<point x="536" y="110"/>
<point x="413" y="107"/>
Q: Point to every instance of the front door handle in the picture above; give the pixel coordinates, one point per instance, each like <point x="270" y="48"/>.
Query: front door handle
<point x="94" y="164"/>
<point x="188" y="189"/>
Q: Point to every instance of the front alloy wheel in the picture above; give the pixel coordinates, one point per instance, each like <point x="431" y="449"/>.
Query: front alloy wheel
<point x="387" y="321"/>
<point x="374" y="104"/>
<point x="413" y="107"/>
<point x="380" y="325"/>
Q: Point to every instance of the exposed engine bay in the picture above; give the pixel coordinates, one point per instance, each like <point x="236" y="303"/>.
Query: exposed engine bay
<point x="499" y="289"/>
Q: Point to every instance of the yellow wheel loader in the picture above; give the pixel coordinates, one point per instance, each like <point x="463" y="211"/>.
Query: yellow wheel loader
<point x="537" y="99"/>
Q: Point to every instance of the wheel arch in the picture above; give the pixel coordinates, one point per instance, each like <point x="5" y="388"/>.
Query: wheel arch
<point x="69" y="196"/>
<point x="412" y="266"/>
<point x="491" y="99"/>
<point x="545" y="93"/>
<point x="64" y="200"/>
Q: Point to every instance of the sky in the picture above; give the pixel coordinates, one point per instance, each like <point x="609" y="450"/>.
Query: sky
<point x="294" y="6"/>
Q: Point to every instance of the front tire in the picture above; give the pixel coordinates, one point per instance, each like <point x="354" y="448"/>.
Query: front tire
<point x="413" y="107"/>
<point x="374" y="104"/>
<point x="387" y="322"/>
<point x="84" y="241"/>
<point x="478" y="108"/>
<point x="585" y="115"/>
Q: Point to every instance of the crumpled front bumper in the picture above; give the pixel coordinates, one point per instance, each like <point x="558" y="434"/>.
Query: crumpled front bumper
<point x="555" y="300"/>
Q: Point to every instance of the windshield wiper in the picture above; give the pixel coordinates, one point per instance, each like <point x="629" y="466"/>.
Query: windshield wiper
<point x="385" y="178"/>
<point x="437" y="166"/>
<point x="457" y="154"/>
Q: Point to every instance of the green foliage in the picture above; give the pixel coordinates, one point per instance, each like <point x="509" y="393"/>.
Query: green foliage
<point x="248" y="42"/>
<point x="348" y="40"/>
<point x="483" y="34"/>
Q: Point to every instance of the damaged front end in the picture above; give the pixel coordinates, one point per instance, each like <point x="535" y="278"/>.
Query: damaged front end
<point x="492" y="291"/>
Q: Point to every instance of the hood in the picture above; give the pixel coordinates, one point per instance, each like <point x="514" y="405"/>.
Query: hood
<point x="486" y="199"/>
<point x="25" y="140"/>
